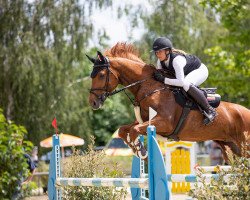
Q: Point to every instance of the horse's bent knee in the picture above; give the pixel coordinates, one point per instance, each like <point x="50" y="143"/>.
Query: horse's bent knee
<point x="134" y="133"/>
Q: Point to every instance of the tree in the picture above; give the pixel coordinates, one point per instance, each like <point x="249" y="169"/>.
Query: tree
<point x="186" y="23"/>
<point x="12" y="152"/>
<point x="230" y="59"/>
<point x="43" y="65"/>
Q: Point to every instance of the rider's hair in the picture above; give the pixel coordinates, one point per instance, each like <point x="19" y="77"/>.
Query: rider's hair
<point x="179" y="51"/>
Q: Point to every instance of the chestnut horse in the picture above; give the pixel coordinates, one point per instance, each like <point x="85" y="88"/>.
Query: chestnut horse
<point x="121" y="65"/>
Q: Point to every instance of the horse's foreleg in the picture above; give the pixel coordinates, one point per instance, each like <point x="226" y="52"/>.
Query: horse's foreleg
<point x="141" y="129"/>
<point x="125" y="135"/>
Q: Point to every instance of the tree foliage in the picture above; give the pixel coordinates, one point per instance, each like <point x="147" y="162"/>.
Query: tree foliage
<point x="230" y="59"/>
<point x="186" y="23"/>
<point x="42" y="44"/>
<point x="43" y="64"/>
<point x="12" y="152"/>
<point x="230" y="79"/>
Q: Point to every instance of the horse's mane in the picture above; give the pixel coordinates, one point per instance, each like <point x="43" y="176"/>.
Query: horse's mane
<point x="124" y="50"/>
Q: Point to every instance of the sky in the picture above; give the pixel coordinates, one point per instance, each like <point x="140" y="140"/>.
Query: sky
<point x="117" y="29"/>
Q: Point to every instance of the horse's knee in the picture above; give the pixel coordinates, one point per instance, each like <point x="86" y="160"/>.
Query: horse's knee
<point x="123" y="130"/>
<point x="125" y="134"/>
<point x="122" y="133"/>
<point x="134" y="133"/>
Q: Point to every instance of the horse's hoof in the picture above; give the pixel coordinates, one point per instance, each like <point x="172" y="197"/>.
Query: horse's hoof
<point x="142" y="154"/>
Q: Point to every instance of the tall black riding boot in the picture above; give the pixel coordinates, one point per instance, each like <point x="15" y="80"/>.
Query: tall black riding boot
<point x="200" y="98"/>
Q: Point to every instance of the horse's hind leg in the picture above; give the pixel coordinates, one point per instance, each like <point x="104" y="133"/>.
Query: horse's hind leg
<point x="223" y="149"/>
<point x="232" y="146"/>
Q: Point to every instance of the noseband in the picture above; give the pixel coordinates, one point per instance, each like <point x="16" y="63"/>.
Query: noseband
<point x="100" y="67"/>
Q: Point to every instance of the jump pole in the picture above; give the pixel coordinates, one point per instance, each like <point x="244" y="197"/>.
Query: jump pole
<point x="157" y="181"/>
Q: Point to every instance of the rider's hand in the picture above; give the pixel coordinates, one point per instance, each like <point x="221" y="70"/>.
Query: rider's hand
<point x="158" y="76"/>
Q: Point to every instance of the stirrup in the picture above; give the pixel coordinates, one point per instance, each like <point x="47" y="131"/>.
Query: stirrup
<point x="209" y="117"/>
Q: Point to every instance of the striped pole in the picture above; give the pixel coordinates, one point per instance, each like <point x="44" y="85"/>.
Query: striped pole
<point x="104" y="182"/>
<point x="213" y="168"/>
<point x="190" y="178"/>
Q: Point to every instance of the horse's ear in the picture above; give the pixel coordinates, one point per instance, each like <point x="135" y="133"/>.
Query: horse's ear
<point x="91" y="59"/>
<point x="100" y="56"/>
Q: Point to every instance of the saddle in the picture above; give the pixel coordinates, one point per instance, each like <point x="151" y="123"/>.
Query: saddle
<point x="185" y="101"/>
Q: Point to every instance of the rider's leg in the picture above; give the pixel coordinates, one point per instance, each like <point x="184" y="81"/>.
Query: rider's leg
<point x="197" y="77"/>
<point x="200" y="98"/>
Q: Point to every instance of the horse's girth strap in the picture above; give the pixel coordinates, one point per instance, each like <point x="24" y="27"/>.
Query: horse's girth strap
<point x="183" y="117"/>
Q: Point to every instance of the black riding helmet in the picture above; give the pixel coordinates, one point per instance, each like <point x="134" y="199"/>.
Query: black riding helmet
<point x="162" y="43"/>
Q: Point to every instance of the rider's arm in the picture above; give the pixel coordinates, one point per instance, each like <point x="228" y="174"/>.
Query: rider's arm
<point x="179" y="63"/>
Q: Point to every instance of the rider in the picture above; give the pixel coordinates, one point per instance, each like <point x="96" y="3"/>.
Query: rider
<point x="189" y="73"/>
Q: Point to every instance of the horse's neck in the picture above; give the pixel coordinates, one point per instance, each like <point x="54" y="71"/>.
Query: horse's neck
<point x="129" y="71"/>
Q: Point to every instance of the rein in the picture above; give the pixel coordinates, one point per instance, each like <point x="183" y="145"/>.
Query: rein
<point x="107" y="94"/>
<point x="126" y="87"/>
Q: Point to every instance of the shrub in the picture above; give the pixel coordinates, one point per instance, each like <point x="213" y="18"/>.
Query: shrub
<point x="28" y="188"/>
<point x="91" y="164"/>
<point x="14" y="167"/>
<point x="236" y="187"/>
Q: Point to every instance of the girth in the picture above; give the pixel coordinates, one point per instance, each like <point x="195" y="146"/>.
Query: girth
<point x="185" y="111"/>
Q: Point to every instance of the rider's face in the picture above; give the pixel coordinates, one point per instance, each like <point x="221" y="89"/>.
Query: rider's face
<point x="161" y="54"/>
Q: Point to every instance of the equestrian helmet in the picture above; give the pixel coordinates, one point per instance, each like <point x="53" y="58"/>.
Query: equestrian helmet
<point x="162" y="43"/>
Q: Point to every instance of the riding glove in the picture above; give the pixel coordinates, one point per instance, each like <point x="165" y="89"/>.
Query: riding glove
<point x="158" y="76"/>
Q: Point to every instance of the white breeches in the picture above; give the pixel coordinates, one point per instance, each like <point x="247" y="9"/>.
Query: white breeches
<point x="196" y="77"/>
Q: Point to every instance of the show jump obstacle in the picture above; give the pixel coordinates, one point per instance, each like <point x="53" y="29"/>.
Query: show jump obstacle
<point x="156" y="181"/>
<point x="181" y="159"/>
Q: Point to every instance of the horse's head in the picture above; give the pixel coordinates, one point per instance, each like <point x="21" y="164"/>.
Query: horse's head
<point x="104" y="80"/>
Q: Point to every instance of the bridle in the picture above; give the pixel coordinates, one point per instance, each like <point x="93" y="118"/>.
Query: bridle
<point x="106" y="93"/>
